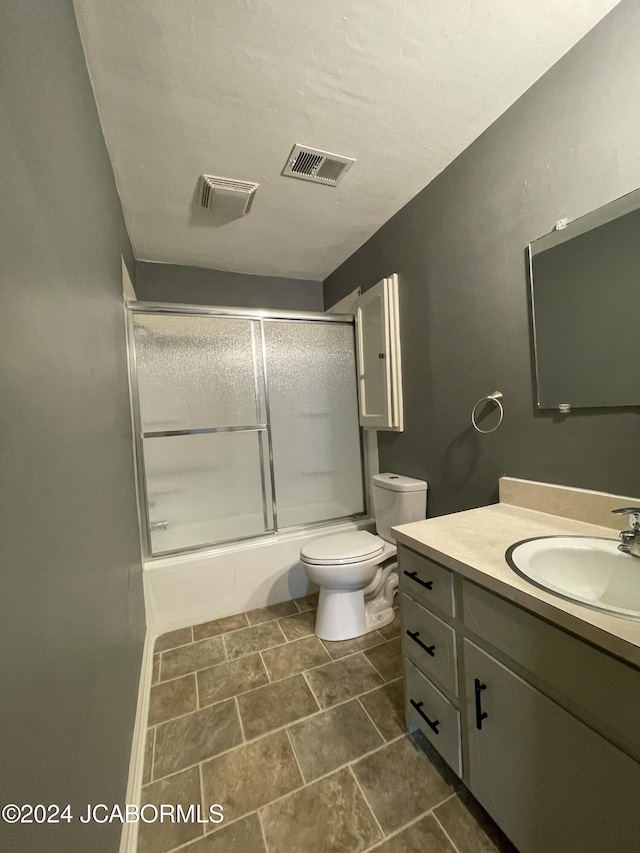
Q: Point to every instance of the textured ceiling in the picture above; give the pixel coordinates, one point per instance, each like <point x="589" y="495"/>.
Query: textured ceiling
<point x="226" y="87"/>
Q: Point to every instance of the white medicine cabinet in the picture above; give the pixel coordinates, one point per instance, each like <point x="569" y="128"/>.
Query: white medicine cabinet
<point x="378" y="356"/>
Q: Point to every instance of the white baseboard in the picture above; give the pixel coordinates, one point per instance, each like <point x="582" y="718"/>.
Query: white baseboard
<point x="129" y="837"/>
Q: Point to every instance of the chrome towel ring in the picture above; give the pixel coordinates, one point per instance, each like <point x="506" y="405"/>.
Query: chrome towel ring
<point x="496" y="399"/>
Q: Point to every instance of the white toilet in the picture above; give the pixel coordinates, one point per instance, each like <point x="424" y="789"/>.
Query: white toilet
<point x="356" y="571"/>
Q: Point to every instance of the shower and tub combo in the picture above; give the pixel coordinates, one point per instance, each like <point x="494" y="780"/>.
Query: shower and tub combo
<point x="247" y="443"/>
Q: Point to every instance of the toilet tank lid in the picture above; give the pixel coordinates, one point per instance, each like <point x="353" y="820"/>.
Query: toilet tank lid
<point x="398" y="483"/>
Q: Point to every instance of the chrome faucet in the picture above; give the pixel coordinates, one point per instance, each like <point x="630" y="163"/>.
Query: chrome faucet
<point x="630" y="539"/>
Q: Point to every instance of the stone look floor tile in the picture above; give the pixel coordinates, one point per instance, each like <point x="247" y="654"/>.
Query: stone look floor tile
<point x="342" y="679"/>
<point x="182" y="789"/>
<point x="254" y="639"/>
<point x="275" y="705"/>
<point x="173" y="639"/>
<point x="294" y="657"/>
<point x="228" y="679"/>
<point x="307" y="602"/>
<point x="191" y="658"/>
<point x="385" y="706"/>
<point x="393" y="629"/>
<point x="301" y="625"/>
<point x="328" y="815"/>
<point x="463" y="829"/>
<point x="387" y="659"/>
<point x="425" y="836"/>
<point x="195" y="737"/>
<point x="341" y="648"/>
<point x="172" y="699"/>
<point x="219" y="626"/>
<point x="333" y="738"/>
<point x="252" y="775"/>
<point x="148" y="756"/>
<point x="243" y="836"/>
<point x="271" y="612"/>
<point x="399" y="783"/>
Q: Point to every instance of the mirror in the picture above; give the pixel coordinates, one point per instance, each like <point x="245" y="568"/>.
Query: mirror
<point x="585" y="309"/>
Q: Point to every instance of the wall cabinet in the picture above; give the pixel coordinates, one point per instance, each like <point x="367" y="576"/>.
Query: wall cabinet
<point x="556" y="771"/>
<point x="378" y="357"/>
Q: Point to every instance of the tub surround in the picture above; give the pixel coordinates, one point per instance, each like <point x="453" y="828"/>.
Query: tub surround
<point x="473" y="544"/>
<point x="192" y="588"/>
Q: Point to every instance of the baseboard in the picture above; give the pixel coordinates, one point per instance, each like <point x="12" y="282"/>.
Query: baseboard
<point x="129" y="837"/>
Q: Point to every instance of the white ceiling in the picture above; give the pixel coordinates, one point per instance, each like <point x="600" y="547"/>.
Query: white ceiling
<point x="226" y="87"/>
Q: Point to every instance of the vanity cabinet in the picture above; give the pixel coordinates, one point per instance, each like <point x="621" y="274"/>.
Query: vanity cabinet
<point x="543" y="728"/>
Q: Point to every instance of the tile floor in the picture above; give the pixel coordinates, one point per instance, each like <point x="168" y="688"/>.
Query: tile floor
<point x="301" y="741"/>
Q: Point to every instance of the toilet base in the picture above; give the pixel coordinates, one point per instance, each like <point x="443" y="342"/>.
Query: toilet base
<point x="343" y="614"/>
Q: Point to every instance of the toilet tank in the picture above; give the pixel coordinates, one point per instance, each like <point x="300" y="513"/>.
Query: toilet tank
<point x="397" y="500"/>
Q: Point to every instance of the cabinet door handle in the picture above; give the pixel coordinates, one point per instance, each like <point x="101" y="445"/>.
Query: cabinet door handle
<point x="414" y="577"/>
<point x="433" y="724"/>
<point x="480" y="714"/>
<point x="428" y="649"/>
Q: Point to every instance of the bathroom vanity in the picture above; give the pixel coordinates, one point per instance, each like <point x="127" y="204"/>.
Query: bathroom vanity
<point x="532" y="700"/>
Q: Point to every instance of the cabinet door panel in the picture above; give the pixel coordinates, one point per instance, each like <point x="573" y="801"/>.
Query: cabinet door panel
<point x="607" y="689"/>
<point x="551" y="783"/>
<point x="373" y="355"/>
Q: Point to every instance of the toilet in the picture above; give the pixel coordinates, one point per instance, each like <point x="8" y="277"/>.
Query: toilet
<point x="356" y="572"/>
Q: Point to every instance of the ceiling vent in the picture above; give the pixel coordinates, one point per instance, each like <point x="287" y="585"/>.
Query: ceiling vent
<point x="310" y="164"/>
<point x="223" y="194"/>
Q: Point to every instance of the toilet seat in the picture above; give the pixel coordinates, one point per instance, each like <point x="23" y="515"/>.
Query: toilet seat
<point x="343" y="549"/>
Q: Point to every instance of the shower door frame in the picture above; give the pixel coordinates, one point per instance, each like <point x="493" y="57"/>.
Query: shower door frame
<point x="133" y="307"/>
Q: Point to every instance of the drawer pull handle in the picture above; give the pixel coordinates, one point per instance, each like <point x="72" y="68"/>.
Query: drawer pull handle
<point x="433" y="724"/>
<point x="428" y="649"/>
<point x="480" y="714"/>
<point x="414" y="577"/>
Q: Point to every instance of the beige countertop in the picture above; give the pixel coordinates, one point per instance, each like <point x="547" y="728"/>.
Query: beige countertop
<point x="473" y="543"/>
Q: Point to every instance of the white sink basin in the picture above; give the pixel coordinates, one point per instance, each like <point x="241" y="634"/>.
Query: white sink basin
<point x="589" y="571"/>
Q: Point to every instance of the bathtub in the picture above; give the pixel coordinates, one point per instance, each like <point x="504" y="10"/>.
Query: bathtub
<point x="191" y="588"/>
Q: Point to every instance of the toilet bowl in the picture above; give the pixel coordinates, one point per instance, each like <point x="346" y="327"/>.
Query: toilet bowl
<point x="353" y="571"/>
<point x="356" y="572"/>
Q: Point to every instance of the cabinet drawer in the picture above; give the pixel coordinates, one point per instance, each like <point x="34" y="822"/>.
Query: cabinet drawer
<point x="430" y="643"/>
<point x="434" y="715"/>
<point x="425" y="580"/>
<point x="589" y="680"/>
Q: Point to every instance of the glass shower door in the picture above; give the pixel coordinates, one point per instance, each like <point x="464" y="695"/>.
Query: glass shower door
<point x="201" y="391"/>
<point x="313" y="406"/>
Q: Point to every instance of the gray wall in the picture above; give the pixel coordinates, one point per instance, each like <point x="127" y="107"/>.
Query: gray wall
<point x="71" y="607"/>
<point x="200" y="286"/>
<point x="569" y="145"/>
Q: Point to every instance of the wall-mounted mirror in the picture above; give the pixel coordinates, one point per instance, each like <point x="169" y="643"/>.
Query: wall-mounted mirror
<point x="585" y="307"/>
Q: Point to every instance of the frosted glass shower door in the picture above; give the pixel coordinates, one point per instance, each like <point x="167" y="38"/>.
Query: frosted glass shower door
<point x="313" y="406"/>
<point x="204" y="433"/>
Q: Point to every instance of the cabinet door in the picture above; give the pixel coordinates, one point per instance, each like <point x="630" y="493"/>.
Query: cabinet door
<point x="550" y="782"/>
<point x="378" y="356"/>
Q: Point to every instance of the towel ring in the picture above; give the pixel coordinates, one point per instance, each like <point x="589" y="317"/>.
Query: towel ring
<point x="496" y="399"/>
